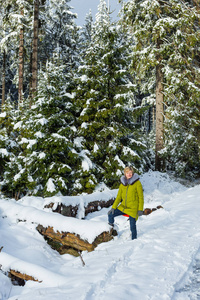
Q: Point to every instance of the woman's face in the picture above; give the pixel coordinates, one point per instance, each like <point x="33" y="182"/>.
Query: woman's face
<point x="128" y="174"/>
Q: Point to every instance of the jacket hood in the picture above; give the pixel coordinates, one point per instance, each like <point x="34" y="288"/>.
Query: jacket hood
<point x="133" y="179"/>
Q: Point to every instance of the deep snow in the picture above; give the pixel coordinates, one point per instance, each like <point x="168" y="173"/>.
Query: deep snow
<point x="163" y="263"/>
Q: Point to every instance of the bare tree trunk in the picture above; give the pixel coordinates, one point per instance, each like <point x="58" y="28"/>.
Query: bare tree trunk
<point x="3" y="81"/>
<point x="159" y="165"/>
<point x="21" y="63"/>
<point x="35" y="49"/>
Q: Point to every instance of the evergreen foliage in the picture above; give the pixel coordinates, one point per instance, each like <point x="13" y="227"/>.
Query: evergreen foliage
<point x="58" y="31"/>
<point x="11" y="22"/>
<point x="175" y="25"/>
<point x="107" y="124"/>
<point x="9" y="148"/>
<point x="182" y="92"/>
<point x="48" y="159"/>
<point x="182" y="150"/>
<point x="87" y="29"/>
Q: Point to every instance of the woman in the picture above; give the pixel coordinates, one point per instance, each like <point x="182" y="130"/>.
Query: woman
<point x="129" y="201"/>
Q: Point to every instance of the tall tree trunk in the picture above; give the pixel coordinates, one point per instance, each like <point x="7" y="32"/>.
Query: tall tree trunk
<point x="35" y="50"/>
<point x="159" y="165"/>
<point x="21" y="63"/>
<point x="3" y="81"/>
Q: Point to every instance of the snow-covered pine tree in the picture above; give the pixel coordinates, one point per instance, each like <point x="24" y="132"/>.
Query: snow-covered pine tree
<point x="7" y="44"/>
<point x="86" y="32"/>
<point x="59" y="31"/>
<point x="109" y="139"/>
<point x="56" y="29"/>
<point x="85" y="35"/>
<point x="182" y="151"/>
<point x="167" y="40"/>
<point x="182" y="147"/>
<point x="48" y="159"/>
<point x="9" y="148"/>
<point x="12" y="22"/>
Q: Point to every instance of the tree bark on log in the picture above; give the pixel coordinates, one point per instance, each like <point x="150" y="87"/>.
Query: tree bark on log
<point x="20" y="278"/>
<point x="66" y="242"/>
<point x="65" y="238"/>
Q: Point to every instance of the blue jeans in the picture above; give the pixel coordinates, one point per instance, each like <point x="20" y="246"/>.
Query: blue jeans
<point x="132" y="220"/>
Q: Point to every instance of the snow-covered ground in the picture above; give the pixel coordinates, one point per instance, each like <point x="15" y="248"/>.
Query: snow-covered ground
<point x="163" y="263"/>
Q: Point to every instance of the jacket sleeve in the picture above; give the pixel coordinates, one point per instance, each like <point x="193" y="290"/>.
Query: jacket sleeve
<point x="140" y="196"/>
<point x="118" y="198"/>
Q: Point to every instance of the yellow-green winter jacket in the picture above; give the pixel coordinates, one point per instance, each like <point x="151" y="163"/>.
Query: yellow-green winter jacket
<point x="130" y="197"/>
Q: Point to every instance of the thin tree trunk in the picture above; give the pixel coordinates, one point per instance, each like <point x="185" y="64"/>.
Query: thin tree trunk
<point x="3" y="81"/>
<point x="159" y="117"/>
<point x="35" y="49"/>
<point x="30" y="71"/>
<point x="21" y="63"/>
<point x="153" y="117"/>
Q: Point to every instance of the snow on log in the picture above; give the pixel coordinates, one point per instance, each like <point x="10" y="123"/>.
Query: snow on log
<point x="87" y="230"/>
<point x="70" y="234"/>
<point x="80" y="206"/>
<point x="17" y="269"/>
<point x="73" y="211"/>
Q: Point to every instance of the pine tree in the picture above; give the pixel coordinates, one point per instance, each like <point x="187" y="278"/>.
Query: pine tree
<point x="182" y="146"/>
<point x="12" y="25"/>
<point x="9" y="148"/>
<point x="87" y="28"/>
<point x="181" y="150"/>
<point x="59" y="31"/>
<point x="55" y="29"/>
<point x="7" y="38"/>
<point x="165" y="55"/>
<point x="109" y="140"/>
<point x="48" y="158"/>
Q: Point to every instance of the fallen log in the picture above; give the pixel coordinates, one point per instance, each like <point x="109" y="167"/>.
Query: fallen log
<point x="148" y="211"/>
<point x="68" y="211"/>
<point x="97" y="205"/>
<point x="72" y="211"/>
<point x="20" y="278"/>
<point x="67" y="242"/>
